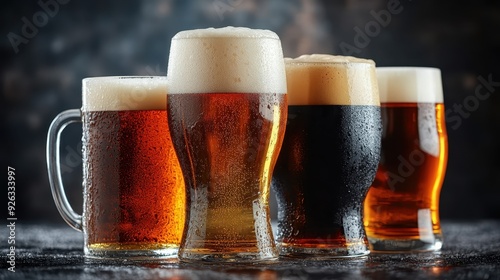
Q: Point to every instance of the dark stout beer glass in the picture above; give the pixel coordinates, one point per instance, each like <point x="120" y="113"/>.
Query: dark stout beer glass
<point x="329" y="156"/>
<point x="134" y="198"/>
<point x="402" y="206"/>
<point x="227" y="114"/>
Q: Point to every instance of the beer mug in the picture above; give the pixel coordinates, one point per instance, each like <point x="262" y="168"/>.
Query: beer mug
<point x="226" y="109"/>
<point x="329" y="156"/>
<point x="133" y="188"/>
<point x="401" y="210"/>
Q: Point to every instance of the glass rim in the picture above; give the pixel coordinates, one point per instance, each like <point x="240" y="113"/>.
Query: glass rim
<point x="228" y="32"/>
<point x="407" y="68"/>
<point x="95" y="78"/>
<point x="343" y="60"/>
<point x="360" y="63"/>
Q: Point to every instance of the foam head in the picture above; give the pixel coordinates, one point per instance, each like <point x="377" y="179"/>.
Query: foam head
<point x="229" y="59"/>
<point x="410" y="84"/>
<point x="124" y="93"/>
<point x="321" y="79"/>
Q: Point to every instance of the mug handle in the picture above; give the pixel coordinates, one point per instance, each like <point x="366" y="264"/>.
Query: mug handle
<point x="54" y="167"/>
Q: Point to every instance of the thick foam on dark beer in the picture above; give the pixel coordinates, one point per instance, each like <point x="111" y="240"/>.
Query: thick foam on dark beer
<point x="229" y="59"/>
<point x="321" y="79"/>
<point x="410" y="84"/>
<point x="124" y="93"/>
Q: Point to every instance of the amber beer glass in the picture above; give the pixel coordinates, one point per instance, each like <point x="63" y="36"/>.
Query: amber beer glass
<point x="402" y="206"/>
<point x="134" y="198"/>
<point x="329" y="156"/>
<point x="227" y="113"/>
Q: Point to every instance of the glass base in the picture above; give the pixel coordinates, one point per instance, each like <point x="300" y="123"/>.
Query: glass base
<point x="231" y="257"/>
<point x="133" y="255"/>
<point x="405" y="245"/>
<point x="323" y="253"/>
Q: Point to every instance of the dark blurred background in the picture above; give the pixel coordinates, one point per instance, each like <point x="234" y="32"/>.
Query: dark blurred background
<point x="48" y="46"/>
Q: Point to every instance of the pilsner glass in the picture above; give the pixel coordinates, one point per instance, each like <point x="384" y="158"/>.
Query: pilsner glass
<point x="402" y="206"/>
<point x="227" y="112"/>
<point x="133" y="188"/>
<point x="329" y="156"/>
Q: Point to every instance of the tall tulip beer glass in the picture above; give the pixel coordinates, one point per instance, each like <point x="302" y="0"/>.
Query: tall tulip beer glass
<point x="402" y="206"/>
<point x="134" y="198"/>
<point x="227" y="112"/>
<point x="329" y="156"/>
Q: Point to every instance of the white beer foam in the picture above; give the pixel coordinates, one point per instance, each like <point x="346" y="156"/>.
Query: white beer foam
<point x="124" y="93"/>
<point x="322" y="79"/>
<point x="229" y="59"/>
<point x="410" y="84"/>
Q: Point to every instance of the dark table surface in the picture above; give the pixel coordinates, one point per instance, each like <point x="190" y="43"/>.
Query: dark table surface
<point x="471" y="251"/>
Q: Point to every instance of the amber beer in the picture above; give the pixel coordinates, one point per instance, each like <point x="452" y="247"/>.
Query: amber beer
<point x="329" y="156"/>
<point x="134" y="186"/>
<point x="402" y="206"/>
<point x="227" y="113"/>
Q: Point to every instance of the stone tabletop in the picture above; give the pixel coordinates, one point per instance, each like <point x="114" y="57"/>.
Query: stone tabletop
<point x="471" y="250"/>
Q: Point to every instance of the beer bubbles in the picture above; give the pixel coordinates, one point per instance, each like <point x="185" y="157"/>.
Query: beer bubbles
<point x="227" y="110"/>
<point x="329" y="156"/>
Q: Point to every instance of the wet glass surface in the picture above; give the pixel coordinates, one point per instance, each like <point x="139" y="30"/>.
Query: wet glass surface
<point x="471" y="251"/>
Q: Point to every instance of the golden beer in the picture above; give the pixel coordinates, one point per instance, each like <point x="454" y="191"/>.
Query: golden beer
<point x="227" y="114"/>
<point x="135" y="198"/>
<point x="402" y="206"/>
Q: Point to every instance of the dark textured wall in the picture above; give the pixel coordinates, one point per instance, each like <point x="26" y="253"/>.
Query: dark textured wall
<point x="42" y="68"/>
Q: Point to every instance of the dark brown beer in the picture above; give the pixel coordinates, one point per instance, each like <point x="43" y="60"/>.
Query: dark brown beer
<point x="403" y="202"/>
<point x="329" y="156"/>
<point x="327" y="163"/>
<point x="135" y="189"/>
<point x="227" y="145"/>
